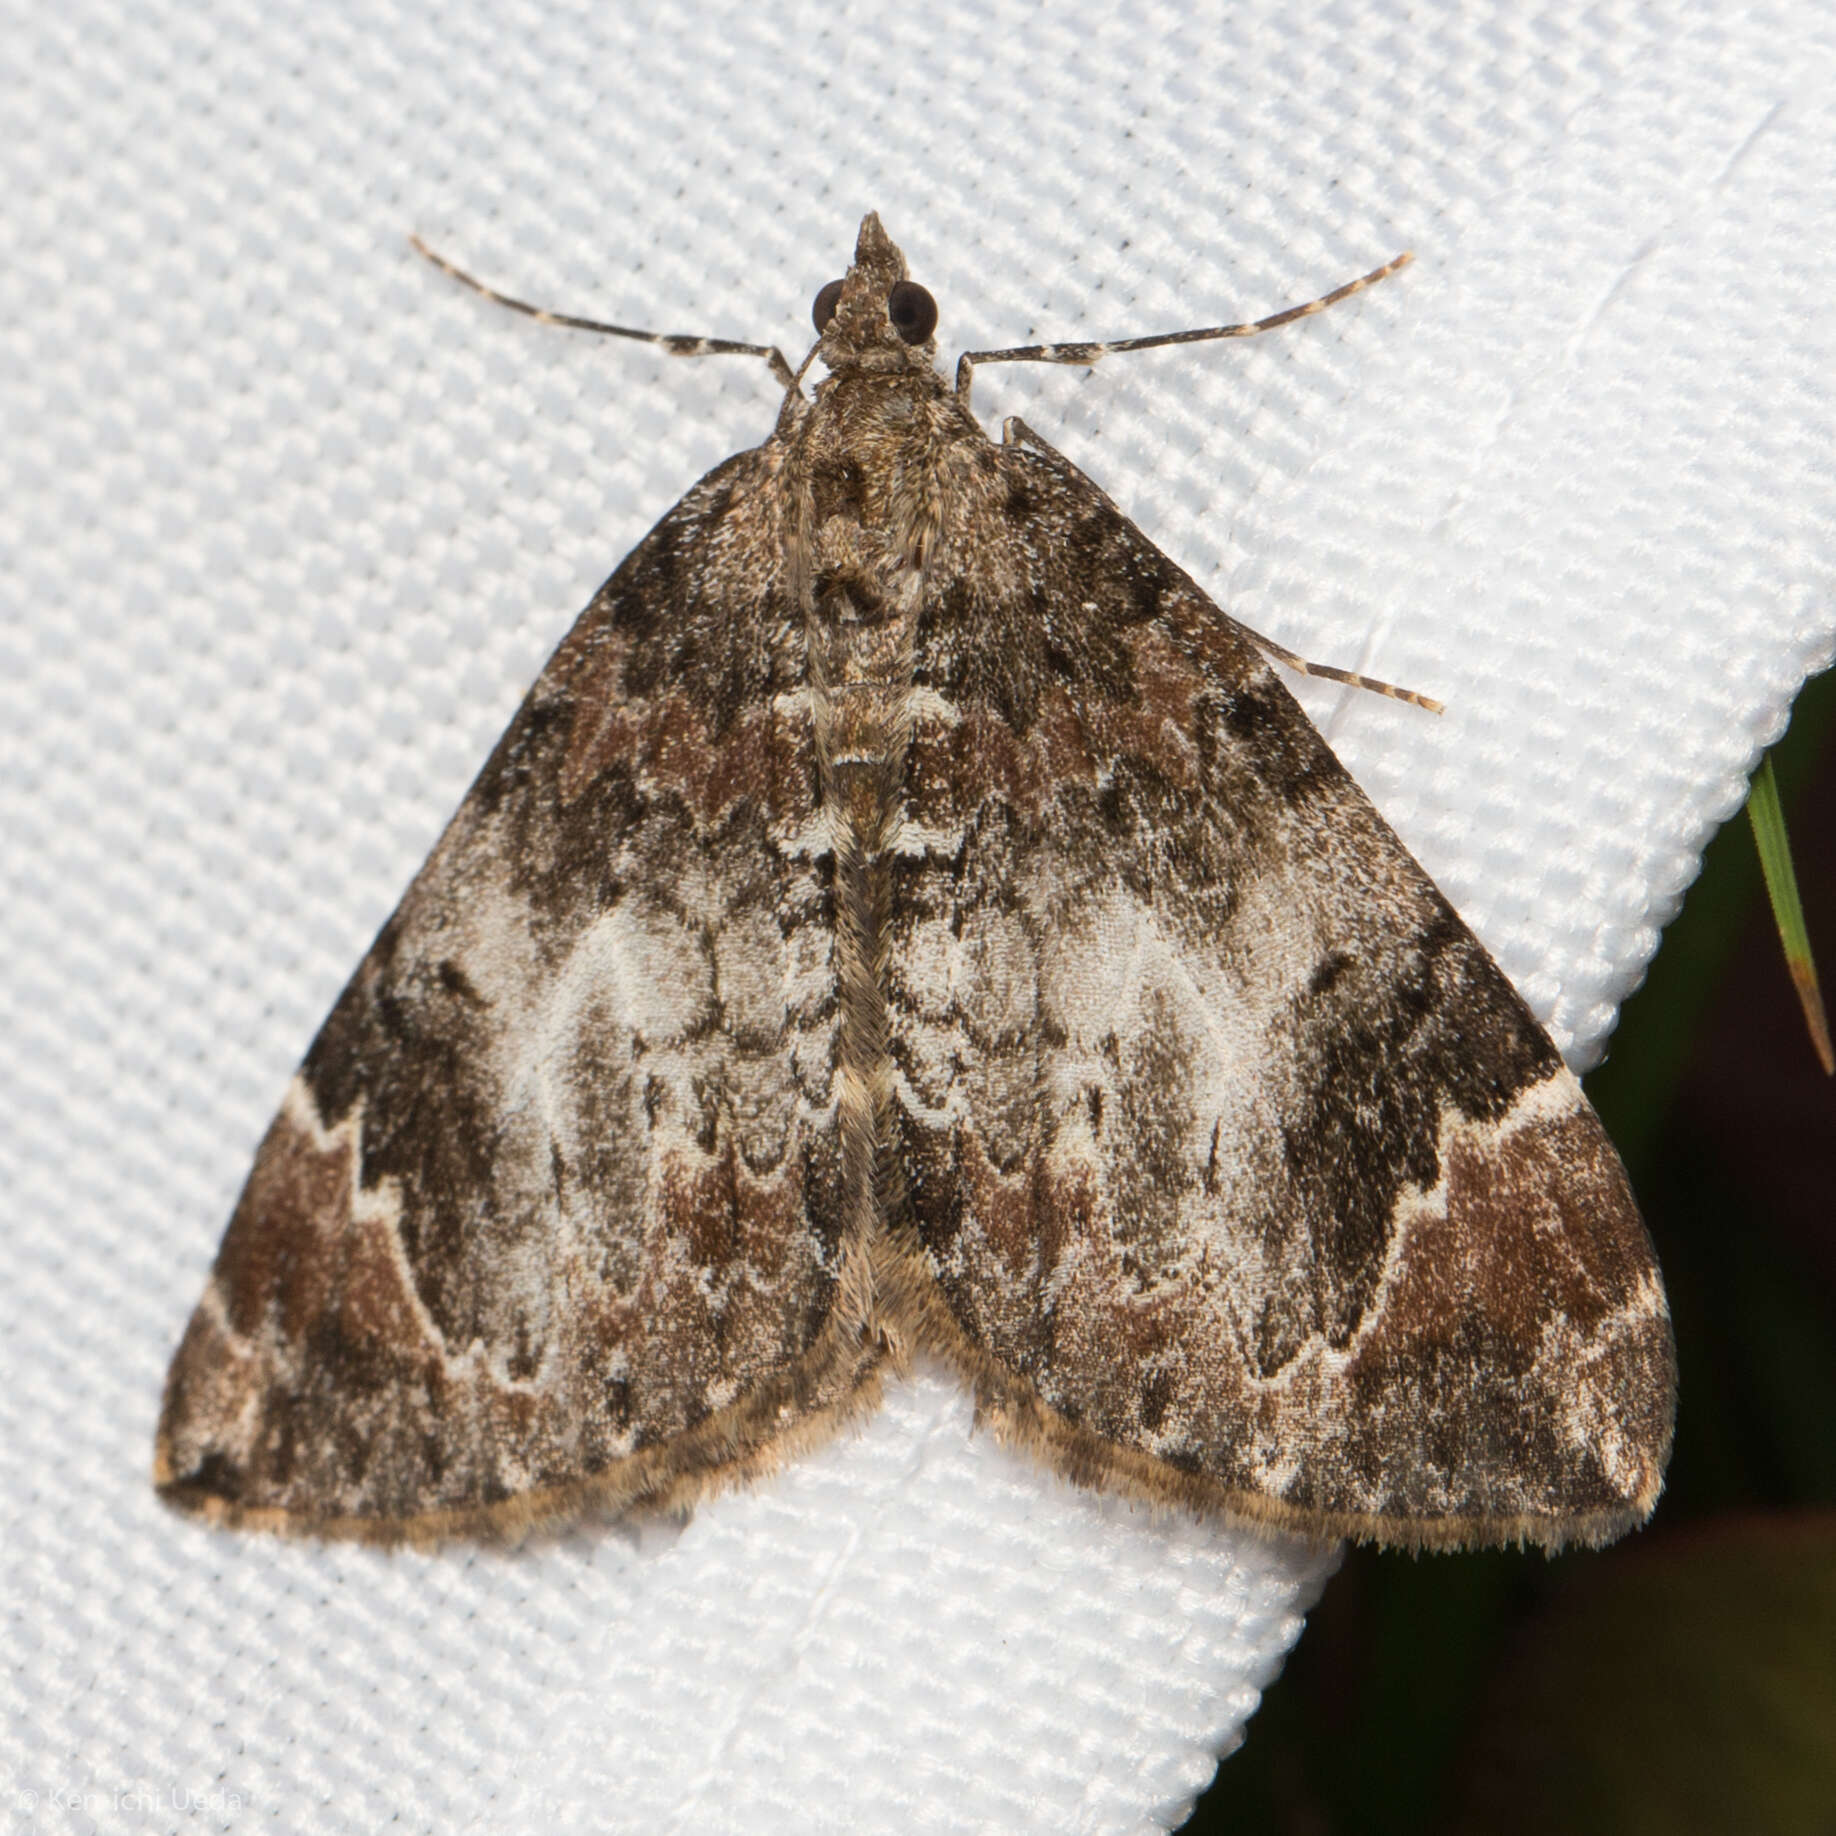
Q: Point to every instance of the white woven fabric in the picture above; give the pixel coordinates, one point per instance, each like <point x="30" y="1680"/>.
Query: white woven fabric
<point x="288" y="523"/>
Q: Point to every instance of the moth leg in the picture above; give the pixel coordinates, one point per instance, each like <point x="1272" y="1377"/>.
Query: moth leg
<point x="1015" y="432"/>
<point x="1301" y="666"/>
<point x="677" y="344"/>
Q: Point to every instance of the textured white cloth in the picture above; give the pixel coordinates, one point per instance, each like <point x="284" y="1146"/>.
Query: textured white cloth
<point x="288" y="523"/>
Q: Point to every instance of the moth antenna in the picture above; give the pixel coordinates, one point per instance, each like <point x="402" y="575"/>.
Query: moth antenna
<point x="1326" y="671"/>
<point x="1090" y="353"/>
<point x="677" y="344"/>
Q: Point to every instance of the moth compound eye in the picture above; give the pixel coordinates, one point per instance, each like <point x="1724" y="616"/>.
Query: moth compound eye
<point x="913" y="312"/>
<point x="823" y="308"/>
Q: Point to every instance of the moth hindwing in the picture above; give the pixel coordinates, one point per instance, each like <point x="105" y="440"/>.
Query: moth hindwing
<point x="907" y="916"/>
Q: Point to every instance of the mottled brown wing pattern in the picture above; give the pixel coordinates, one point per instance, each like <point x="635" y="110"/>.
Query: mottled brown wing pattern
<point x="1243" y="1174"/>
<point x="907" y="915"/>
<point x="550" y="1212"/>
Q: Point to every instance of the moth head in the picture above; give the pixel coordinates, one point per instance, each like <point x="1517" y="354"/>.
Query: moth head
<point x="875" y="318"/>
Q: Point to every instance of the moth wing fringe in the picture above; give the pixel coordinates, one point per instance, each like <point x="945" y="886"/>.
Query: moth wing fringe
<point x="728" y="1450"/>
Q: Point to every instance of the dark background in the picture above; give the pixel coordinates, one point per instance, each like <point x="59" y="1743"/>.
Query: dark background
<point x="1684" y="1680"/>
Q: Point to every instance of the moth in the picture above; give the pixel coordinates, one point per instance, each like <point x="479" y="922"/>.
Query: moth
<point x="908" y="918"/>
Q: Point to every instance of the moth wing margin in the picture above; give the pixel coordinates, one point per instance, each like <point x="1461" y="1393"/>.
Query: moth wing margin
<point x="1240" y="1175"/>
<point x="549" y="1218"/>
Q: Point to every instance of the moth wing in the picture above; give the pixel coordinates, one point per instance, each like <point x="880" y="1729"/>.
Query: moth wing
<point x="1243" y="1176"/>
<point x="549" y="1214"/>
